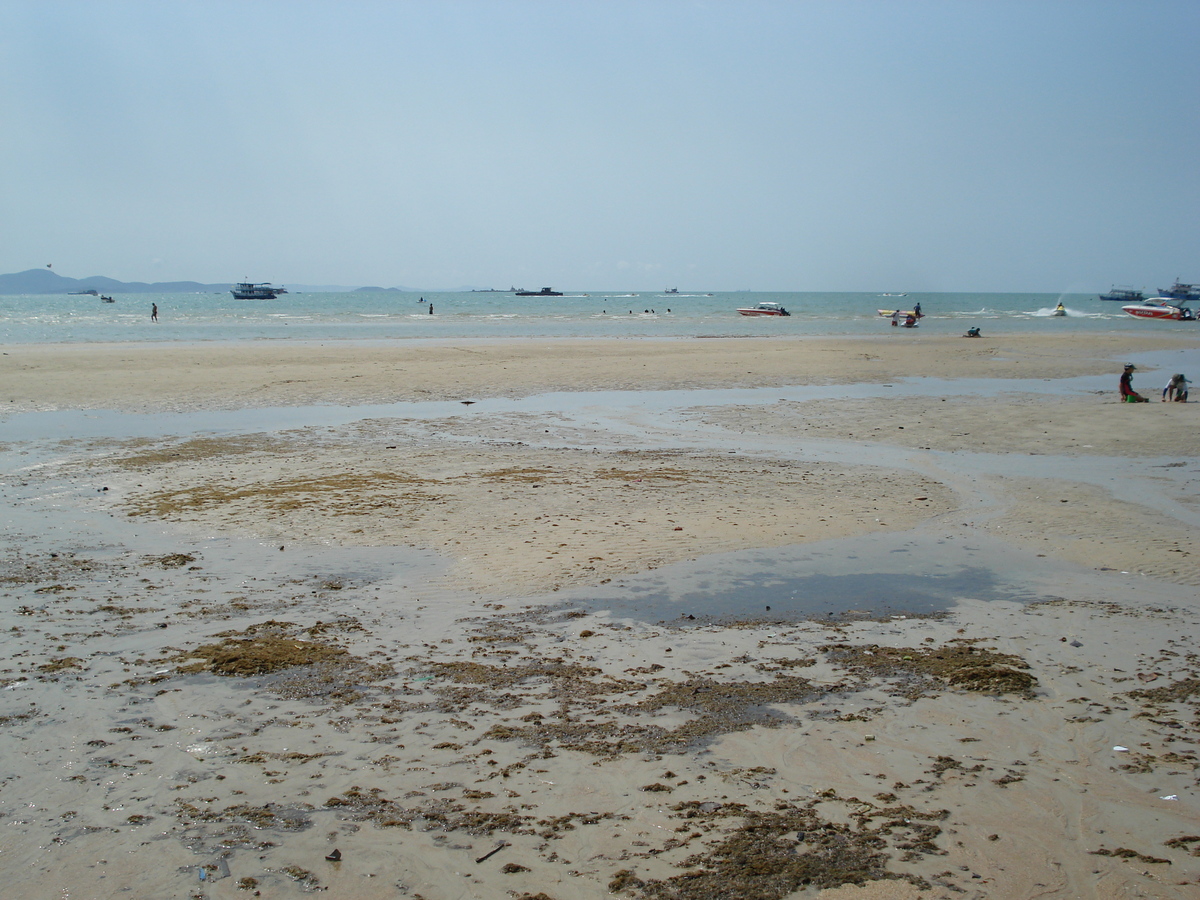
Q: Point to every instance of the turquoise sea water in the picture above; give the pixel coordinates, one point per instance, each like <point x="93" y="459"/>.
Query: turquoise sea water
<point x="366" y="316"/>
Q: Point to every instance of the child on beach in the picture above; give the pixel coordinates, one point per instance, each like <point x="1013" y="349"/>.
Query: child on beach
<point x="1176" y="389"/>
<point x="1128" y="394"/>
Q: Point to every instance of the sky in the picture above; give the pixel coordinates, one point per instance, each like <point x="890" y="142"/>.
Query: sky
<point x="806" y="145"/>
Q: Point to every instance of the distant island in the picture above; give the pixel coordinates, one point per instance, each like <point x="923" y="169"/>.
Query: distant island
<point x="44" y="281"/>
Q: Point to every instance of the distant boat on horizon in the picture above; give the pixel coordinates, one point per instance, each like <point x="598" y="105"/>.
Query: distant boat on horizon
<point x="1181" y="291"/>
<point x="1124" y="295"/>
<point x="544" y="292"/>
<point x="248" y="290"/>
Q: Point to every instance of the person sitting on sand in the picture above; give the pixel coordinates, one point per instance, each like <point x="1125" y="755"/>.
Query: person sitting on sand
<point x="973" y="332"/>
<point x="1128" y="394"/>
<point x="1176" y="389"/>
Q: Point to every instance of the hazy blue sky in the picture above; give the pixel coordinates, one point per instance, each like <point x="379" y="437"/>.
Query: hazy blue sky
<point x="874" y="145"/>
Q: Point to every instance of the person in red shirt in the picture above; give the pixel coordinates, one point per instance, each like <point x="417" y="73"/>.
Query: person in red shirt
<point x="1128" y="394"/>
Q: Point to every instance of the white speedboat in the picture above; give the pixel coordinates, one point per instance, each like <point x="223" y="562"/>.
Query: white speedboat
<point x="1161" y="308"/>
<point x="766" y="308"/>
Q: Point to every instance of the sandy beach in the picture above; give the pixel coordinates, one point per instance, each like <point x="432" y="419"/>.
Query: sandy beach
<point x="387" y="620"/>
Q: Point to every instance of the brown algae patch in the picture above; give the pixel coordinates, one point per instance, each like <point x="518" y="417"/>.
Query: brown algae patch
<point x="309" y="669"/>
<point x="371" y="805"/>
<point x="718" y="707"/>
<point x="339" y="494"/>
<point x="260" y="655"/>
<point x="961" y="665"/>
<point x="171" y="560"/>
<point x="770" y="854"/>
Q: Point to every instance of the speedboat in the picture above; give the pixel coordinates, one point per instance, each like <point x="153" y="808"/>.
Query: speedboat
<point x="1059" y="310"/>
<point x="1161" y="308"/>
<point x="766" y="308"/>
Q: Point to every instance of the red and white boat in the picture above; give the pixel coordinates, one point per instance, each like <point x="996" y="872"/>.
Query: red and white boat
<point x="766" y="308"/>
<point x="1160" y="308"/>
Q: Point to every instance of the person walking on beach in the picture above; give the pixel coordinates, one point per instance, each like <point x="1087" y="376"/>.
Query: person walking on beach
<point x="1128" y="394"/>
<point x="153" y="312"/>
<point x="1176" y="389"/>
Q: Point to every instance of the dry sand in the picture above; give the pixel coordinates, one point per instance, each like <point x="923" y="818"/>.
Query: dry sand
<point x="231" y="651"/>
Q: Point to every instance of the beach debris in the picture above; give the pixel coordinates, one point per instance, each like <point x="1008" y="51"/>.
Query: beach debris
<point x="1120" y="749"/>
<point x="500" y="846"/>
<point x="1170" y="797"/>
<point x="1076" y="644"/>
<point x="335" y="856"/>
<point x="213" y="871"/>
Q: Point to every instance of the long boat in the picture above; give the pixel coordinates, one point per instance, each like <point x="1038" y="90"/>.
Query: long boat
<point x="247" y="290"/>
<point x="1181" y="291"/>
<point x="544" y="292"/>
<point x="1124" y="295"/>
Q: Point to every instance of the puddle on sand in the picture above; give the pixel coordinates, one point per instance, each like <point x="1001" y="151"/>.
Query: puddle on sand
<point x="914" y="574"/>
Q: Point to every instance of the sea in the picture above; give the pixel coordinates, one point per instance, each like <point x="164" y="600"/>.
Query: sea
<point x="402" y="316"/>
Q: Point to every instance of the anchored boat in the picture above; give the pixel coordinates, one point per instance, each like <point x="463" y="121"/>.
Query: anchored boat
<point x="247" y="290"/>
<point x="1124" y="295"/>
<point x="544" y="292"/>
<point x="1181" y="291"/>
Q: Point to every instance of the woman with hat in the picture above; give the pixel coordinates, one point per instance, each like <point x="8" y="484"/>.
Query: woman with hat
<point x="1128" y="394"/>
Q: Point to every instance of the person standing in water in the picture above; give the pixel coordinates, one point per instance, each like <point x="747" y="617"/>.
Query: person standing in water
<point x="153" y="312"/>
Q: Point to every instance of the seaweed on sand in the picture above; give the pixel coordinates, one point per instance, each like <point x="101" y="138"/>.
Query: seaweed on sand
<point x="771" y="854"/>
<point x="260" y="655"/>
<point x="1180" y="691"/>
<point x="311" y="669"/>
<point x="720" y="708"/>
<point x="961" y="665"/>
<point x="449" y="815"/>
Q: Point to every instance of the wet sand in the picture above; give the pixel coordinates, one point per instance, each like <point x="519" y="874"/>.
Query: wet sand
<point x="231" y="651"/>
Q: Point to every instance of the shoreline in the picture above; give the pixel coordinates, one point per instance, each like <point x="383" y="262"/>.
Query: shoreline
<point x="234" y="375"/>
<point x="251" y="648"/>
